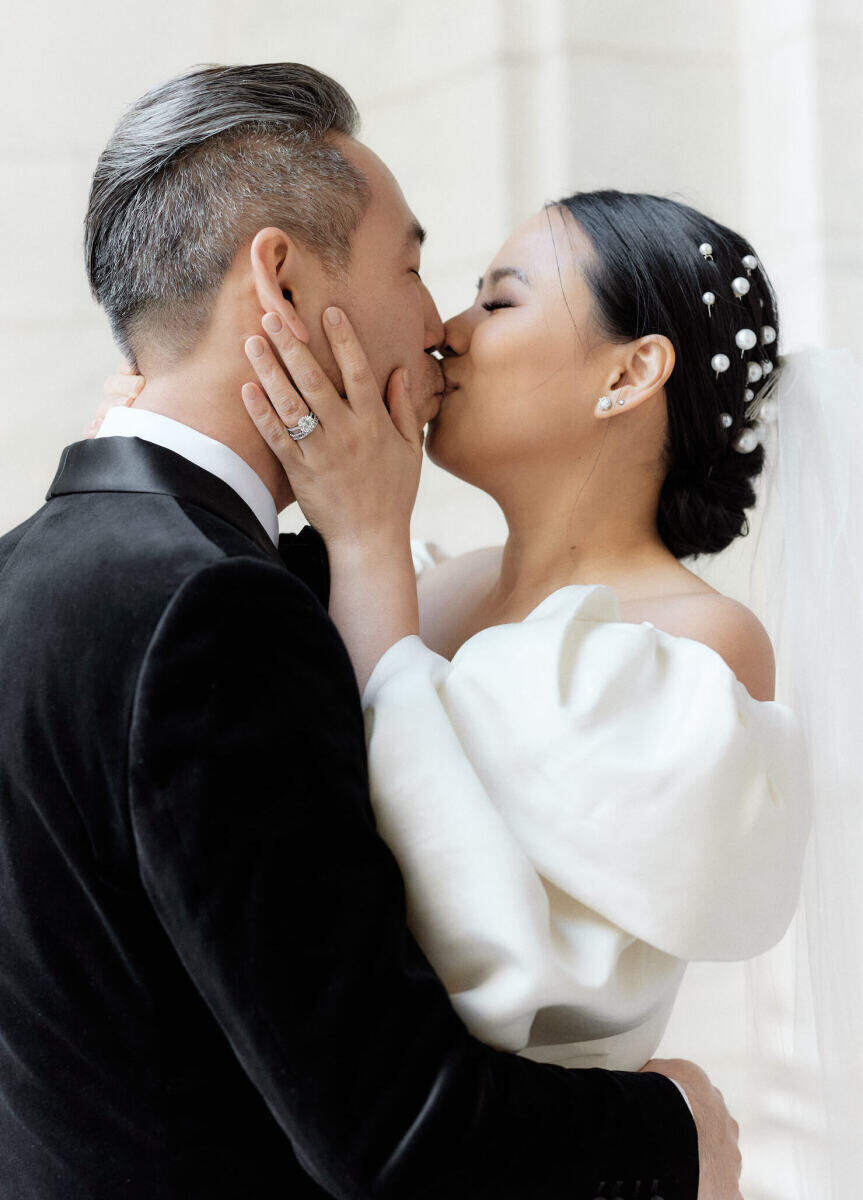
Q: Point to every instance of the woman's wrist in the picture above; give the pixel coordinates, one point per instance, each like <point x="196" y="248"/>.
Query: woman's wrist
<point x="372" y="550"/>
<point x="373" y="599"/>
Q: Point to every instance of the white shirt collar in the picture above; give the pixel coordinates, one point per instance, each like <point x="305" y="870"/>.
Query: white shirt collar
<point x="205" y="452"/>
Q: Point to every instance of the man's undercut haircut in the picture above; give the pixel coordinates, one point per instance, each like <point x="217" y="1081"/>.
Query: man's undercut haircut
<point x="193" y="170"/>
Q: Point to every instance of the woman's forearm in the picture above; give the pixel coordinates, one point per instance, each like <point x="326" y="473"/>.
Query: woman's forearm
<point x="373" y="600"/>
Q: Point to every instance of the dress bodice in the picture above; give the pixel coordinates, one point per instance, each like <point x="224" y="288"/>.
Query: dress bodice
<point x="579" y="806"/>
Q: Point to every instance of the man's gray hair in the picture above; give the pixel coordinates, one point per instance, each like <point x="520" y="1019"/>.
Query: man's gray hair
<point x="193" y="170"/>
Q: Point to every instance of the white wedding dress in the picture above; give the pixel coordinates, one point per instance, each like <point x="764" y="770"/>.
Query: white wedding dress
<point x="579" y="806"/>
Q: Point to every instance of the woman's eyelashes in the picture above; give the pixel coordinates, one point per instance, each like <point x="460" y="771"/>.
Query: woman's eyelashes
<point x="493" y="305"/>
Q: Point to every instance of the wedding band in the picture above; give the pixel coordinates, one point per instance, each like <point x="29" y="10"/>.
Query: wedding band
<point x="306" y="425"/>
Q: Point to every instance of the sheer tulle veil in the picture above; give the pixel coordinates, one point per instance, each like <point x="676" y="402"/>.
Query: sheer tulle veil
<point x="801" y="570"/>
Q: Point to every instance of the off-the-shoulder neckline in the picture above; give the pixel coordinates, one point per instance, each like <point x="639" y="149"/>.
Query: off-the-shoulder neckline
<point x="592" y="587"/>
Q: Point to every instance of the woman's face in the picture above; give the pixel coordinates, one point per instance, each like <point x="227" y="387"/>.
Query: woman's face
<point x="525" y="361"/>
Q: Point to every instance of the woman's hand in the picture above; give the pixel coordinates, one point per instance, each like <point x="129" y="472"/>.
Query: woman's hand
<point x="122" y="389"/>
<point x="355" y="476"/>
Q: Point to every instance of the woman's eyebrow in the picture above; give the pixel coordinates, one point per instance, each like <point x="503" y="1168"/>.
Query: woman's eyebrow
<point x="503" y="273"/>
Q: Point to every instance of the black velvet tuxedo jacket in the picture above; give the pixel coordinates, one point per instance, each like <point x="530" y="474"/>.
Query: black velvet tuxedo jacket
<point x="207" y="988"/>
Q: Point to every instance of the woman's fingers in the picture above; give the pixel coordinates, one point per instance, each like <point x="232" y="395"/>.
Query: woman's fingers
<point x="122" y="385"/>
<point x="271" y="427"/>
<point x="309" y="378"/>
<point x="362" y="390"/>
<point x="284" y="398"/>
<point x="104" y="408"/>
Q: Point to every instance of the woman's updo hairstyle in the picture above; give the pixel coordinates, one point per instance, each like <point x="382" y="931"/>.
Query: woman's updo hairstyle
<point x="648" y="275"/>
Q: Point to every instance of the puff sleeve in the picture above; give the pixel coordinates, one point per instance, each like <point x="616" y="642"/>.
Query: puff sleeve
<point x="578" y="804"/>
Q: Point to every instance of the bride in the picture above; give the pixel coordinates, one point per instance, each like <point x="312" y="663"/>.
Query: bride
<point x="574" y="746"/>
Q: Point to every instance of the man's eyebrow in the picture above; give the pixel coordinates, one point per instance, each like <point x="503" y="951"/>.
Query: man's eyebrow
<point x="416" y="233"/>
<point x="500" y="273"/>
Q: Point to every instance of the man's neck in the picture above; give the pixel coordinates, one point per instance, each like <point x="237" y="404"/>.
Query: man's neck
<point x="206" y="397"/>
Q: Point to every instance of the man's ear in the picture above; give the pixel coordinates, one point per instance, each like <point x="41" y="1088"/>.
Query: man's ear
<point x="642" y="371"/>
<point x="274" y="259"/>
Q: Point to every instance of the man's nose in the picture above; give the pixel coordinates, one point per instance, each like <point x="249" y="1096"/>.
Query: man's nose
<point x="433" y="331"/>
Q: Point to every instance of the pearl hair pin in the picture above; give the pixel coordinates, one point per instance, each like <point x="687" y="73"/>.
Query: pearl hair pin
<point x="745" y="339"/>
<point x="720" y="363"/>
<point x="747" y="441"/>
<point x="759" y="409"/>
<point x="754" y="372"/>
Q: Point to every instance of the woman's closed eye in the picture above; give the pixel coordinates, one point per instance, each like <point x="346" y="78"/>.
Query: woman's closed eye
<point x="493" y="305"/>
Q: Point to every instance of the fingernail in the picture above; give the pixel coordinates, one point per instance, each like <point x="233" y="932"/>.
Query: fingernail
<point x="407" y="378"/>
<point x="130" y="400"/>
<point x="333" y="316"/>
<point x="272" y="322"/>
<point x="255" y="346"/>
<point x="248" y="392"/>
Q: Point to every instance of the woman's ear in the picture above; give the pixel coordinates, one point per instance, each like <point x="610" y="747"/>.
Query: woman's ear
<point x="643" y="371"/>
<point x="274" y="264"/>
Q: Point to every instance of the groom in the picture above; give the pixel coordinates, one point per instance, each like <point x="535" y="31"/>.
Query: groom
<point x="207" y="988"/>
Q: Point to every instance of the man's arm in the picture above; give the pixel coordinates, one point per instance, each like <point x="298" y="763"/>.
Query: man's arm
<point x="257" y="846"/>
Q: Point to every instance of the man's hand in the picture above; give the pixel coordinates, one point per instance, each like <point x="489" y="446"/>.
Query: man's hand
<point x="719" y="1160"/>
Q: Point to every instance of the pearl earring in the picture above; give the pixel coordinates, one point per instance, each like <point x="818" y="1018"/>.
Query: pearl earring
<point x="604" y="403"/>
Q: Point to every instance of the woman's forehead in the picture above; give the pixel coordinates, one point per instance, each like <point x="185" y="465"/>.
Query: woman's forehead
<point x="549" y="243"/>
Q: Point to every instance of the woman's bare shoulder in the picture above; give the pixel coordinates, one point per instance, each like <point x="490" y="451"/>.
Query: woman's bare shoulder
<point x="461" y="569"/>
<point x="729" y="628"/>
<point x="449" y="592"/>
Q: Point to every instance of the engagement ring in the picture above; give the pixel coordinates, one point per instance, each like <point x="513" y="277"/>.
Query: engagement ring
<point x="306" y="425"/>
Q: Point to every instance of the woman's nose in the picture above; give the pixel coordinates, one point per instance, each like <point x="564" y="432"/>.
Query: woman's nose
<point x="456" y="333"/>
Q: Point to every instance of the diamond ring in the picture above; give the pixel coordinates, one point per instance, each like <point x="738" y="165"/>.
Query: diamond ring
<point x="306" y="425"/>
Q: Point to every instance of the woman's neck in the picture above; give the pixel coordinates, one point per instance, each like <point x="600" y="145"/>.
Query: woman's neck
<point x="579" y="533"/>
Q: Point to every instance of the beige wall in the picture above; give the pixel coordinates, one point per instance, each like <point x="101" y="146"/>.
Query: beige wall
<point x="751" y="109"/>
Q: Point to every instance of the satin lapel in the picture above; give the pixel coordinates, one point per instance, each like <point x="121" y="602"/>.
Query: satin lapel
<point x="119" y="464"/>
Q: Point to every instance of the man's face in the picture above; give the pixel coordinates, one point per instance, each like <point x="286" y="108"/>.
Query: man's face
<point x="383" y="295"/>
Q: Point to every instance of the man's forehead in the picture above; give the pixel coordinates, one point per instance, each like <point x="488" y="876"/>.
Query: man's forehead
<point x="387" y="196"/>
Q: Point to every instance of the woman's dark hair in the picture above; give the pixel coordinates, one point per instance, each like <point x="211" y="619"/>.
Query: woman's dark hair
<point x="648" y="275"/>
